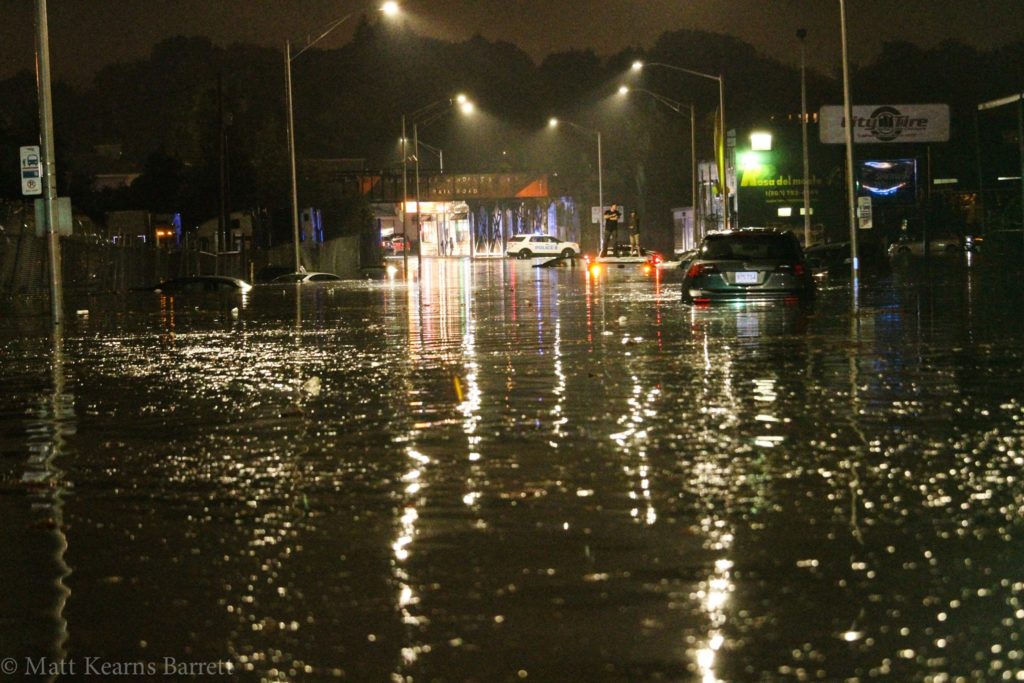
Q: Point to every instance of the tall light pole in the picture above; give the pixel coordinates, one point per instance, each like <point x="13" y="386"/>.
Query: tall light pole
<point x="677" y="107"/>
<point x="553" y="122"/>
<point x="49" y="177"/>
<point x="441" y="229"/>
<point x="848" y="128"/>
<point x="389" y="8"/>
<point x="638" y="65"/>
<point x="405" y="193"/>
<point x="424" y="116"/>
<point x="801" y="34"/>
<point x="405" y="203"/>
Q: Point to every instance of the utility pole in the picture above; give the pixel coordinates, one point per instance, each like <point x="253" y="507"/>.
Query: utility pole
<point x="405" y="203"/>
<point x="801" y="34"/>
<point x="49" y="164"/>
<point x="848" y="115"/>
<point x="222" y="220"/>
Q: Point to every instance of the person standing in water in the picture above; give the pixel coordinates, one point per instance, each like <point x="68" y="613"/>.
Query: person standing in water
<point x="634" y="233"/>
<point x="611" y="228"/>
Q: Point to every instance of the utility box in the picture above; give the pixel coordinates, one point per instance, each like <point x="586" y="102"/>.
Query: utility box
<point x="61" y="216"/>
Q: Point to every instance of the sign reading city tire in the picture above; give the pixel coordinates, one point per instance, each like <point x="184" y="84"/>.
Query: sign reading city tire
<point x="31" y="171"/>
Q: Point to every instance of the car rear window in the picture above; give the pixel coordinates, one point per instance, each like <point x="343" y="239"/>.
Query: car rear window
<point x="751" y="247"/>
<point x="517" y="238"/>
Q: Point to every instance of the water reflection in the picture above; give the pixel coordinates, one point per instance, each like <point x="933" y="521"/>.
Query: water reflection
<point x="490" y="469"/>
<point x="49" y="428"/>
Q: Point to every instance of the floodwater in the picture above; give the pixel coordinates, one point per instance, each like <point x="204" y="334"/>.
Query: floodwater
<point x="497" y="473"/>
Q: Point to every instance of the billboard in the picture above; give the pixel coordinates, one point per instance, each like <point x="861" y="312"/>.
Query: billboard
<point x="891" y="181"/>
<point x="889" y="123"/>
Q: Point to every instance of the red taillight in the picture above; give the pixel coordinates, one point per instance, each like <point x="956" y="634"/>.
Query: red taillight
<point x="797" y="269"/>
<point x="698" y="269"/>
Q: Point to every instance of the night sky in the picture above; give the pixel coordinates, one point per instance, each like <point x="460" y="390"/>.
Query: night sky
<point x="87" y="34"/>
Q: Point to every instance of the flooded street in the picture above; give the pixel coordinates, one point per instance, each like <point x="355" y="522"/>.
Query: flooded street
<point x="497" y="472"/>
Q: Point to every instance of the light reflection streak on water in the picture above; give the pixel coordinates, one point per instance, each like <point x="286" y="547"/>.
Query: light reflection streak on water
<point x="407" y="599"/>
<point x="443" y="302"/>
<point x="633" y="440"/>
<point x="589" y="280"/>
<point x="721" y="418"/>
<point x="470" y="405"/>
<point x="764" y="392"/>
<point x="167" y="320"/>
<point x="420" y="329"/>
<point x="558" y="417"/>
<point x="55" y="420"/>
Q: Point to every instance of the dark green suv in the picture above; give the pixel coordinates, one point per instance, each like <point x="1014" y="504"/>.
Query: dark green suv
<point x="748" y="265"/>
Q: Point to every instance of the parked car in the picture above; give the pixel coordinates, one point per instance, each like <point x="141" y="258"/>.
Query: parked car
<point x="200" y="284"/>
<point x="747" y="265"/>
<point x="833" y="259"/>
<point x="939" y="244"/>
<point x="528" y="246"/>
<point x="395" y="244"/>
<point x="304" y="278"/>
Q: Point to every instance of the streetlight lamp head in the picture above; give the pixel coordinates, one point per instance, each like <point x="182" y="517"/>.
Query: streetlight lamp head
<point x="623" y="89"/>
<point x="637" y="65"/>
<point x="390" y="8"/>
<point x="761" y="141"/>
<point x="467" y="107"/>
<point x="461" y="98"/>
<point x="552" y="122"/>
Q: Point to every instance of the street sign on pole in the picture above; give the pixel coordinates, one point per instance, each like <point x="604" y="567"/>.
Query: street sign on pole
<point x="865" y="219"/>
<point x="31" y="171"/>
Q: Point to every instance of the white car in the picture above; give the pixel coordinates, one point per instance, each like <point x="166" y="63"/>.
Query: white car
<point x="528" y="246"/>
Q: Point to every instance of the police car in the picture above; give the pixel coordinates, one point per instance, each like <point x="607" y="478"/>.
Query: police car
<point x="528" y="246"/>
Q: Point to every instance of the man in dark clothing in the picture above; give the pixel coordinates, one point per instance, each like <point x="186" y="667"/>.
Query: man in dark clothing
<point x="611" y="228"/>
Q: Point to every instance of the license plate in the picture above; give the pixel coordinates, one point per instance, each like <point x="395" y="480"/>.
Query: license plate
<point x="746" y="277"/>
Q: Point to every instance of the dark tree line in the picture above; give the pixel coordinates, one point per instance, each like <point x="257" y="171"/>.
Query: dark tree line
<point x="164" y="112"/>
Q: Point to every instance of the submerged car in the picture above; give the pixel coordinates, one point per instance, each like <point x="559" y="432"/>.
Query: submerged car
<point x="939" y="244"/>
<point x="199" y="284"/>
<point x="304" y="278"/>
<point x="528" y="246"/>
<point x="748" y="265"/>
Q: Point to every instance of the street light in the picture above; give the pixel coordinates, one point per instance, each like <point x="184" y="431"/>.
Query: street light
<point x="678" y="108"/>
<point x="553" y="123"/>
<point x="422" y="116"/>
<point x="389" y="8"/>
<point x="638" y="65"/>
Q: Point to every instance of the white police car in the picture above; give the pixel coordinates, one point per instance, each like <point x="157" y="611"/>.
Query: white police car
<point x="528" y="246"/>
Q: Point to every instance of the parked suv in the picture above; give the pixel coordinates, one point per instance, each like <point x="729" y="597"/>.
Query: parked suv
<point x="749" y="264"/>
<point x="528" y="246"/>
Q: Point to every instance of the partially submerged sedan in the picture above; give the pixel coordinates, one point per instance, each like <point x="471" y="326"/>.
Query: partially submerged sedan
<point x="304" y="278"/>
<point x="201" y="284"/>
<point x="748" y="265"/>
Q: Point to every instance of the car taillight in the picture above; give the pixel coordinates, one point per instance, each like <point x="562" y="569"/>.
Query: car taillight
<point x="797" y="269"/>
<point x="698" y="269"/>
